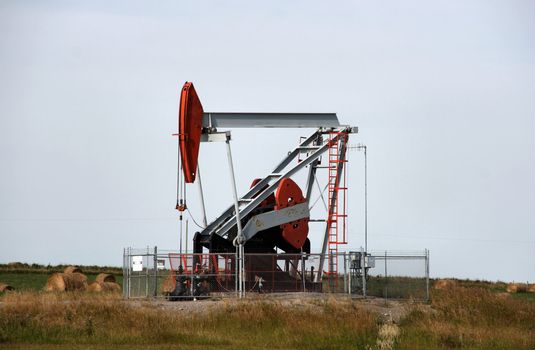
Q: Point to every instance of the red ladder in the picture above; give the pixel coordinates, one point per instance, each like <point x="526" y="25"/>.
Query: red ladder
<point x="336" y="220"/>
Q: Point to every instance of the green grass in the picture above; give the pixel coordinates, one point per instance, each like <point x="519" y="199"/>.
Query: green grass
<point x="18" y="267"/>
<point x="34" y="281"/>
<point x="524" y="296"/>
<point x="24" y="281"/>
<point x="397" y="287"/>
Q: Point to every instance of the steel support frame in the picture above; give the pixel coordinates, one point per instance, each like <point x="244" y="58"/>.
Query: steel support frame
<point x="227" y="220"/>
<point x="312" y="171"/>
<point x="239" y="241"/>
<point x="201" y="196"/>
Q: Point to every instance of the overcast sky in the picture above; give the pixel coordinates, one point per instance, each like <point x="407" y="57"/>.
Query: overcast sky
<point x="443" y="93"/>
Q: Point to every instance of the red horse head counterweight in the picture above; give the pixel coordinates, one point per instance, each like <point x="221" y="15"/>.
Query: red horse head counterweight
<point x="190" y="115"/>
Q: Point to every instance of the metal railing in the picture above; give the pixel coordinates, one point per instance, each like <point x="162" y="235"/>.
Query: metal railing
<point x="172" y="275"/>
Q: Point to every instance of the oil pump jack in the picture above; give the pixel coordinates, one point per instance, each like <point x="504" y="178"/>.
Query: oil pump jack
<point x="273" y="215"/>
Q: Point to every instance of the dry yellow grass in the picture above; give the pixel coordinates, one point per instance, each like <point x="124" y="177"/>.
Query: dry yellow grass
<point x="460" y="317"/>
<point x="472" y="318"/>
<point x="388" y="334"/>
<point x="105" y="319"/>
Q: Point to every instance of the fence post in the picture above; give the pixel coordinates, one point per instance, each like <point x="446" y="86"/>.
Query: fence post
<point x="427" y="274"/>
<point x="155" y="271"/>
<point x="242" y="270"/>
<point x="236" y="269"/>
<point x="124" y="271"/>
<point x="126" y="274"/>
<point x="129" y="263"/>
<point x="192" y="277"/>
<point x="349" y="274"/>
<point x="386" y="277"/>
<point x="303" y="270"/>
<point x="345" y="272"/>
<point x="363" y="269"/>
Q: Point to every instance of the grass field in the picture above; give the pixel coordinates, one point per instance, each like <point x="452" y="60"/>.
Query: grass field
<point x="33" y="277"/>
<point x="50" y="320"/>
<point x="36" y="281"/>
<point x="471" y="315"/>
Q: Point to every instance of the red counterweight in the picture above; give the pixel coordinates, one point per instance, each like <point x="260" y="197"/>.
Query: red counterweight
<point x="289" y="194"/>
<point x="190" y="115"/>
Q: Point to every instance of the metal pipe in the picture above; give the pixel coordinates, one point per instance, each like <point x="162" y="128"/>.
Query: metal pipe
<point x="365" y="148"/>
<point x="186" y="250"/>
<point x="303" y="270"/>
<point x="155" y="264"/>
<point x="147" y="274"/>
<point x="365" y="199"/>
<point x="242" y="270"/>
<point x="192" y="277"/>
<point x="427" y="275"/>
<point x="363" y="268"/>
<point x="181" y="238"/>
<point x="124" y="273"/>
<point x="345" y="272"/>
<point x="236" y="272"/>
<point x="201" y="195"/>
<point x="239" y="238"/>
<point x="129" y="264"/>
<point x="386" y="277"/>
<point x="349" y="275"/>
<point x="312" y="169"/>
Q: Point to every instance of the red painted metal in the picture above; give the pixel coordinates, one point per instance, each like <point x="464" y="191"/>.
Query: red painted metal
<point x="189" y="130"/>
<point x="269" y="201"/>
<point x="288" y="194"/>
<point x="337" y="217"/>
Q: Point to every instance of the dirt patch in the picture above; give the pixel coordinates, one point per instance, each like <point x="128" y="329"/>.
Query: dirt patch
<point x="387" y="311"/>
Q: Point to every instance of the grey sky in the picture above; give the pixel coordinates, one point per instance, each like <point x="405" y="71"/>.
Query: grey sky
<point x="443" y="93"/>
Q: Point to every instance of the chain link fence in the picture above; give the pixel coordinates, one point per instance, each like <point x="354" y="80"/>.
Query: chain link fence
<point x="150" y="272"/>
<point x="391" y="274"/>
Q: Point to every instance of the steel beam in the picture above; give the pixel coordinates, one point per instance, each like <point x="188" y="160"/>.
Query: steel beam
<point x="270" y="120"/>
<point x="312" y="171"/>
<point x="274" y="218"/>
